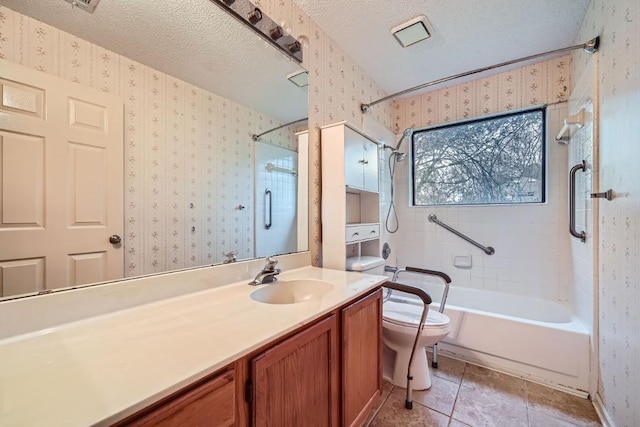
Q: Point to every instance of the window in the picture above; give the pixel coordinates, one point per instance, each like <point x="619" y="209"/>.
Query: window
<point x="498" y="160"/>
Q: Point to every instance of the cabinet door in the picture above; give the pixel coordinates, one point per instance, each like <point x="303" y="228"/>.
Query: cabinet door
<point x="209" y="404"/>
<point x="370" y="165"/>
<point x="361" y="358"/>
<point x="295" y="382"/>
<point x="353" y="158"/>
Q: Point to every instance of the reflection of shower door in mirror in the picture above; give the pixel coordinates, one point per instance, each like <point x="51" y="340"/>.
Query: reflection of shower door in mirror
<point x="61" y="182"/>
<point x="276" y="221"/>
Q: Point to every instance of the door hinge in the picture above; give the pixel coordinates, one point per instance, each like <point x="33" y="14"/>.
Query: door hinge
<point x="248" y="391"/>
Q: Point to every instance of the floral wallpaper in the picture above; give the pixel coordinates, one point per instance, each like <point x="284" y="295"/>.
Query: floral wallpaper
<point x="618" y="290"/>
<point x="545" y="82"/>
<point x="188" y="152"/>
<point x="337" y="88"/>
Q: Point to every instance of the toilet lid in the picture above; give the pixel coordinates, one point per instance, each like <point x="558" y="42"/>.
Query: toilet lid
<point x="409" y="314"/>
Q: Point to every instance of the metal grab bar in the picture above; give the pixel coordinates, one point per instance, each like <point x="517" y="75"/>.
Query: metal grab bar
<point x="268" y="194"/>
<point x="486" y="249"/>
<point x="445" y="277"/>
<point x="572" y="201"/>
<point x="426" y="300"/>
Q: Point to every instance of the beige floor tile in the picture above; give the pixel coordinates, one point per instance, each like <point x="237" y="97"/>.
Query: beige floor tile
<point x="440" y="397"/>
<point x="448" y="368"/>
<point x="393" y="413"/>
<point x="561" y="406"/>
<point x="484" y="398"/>
<point x="539" y="418"/>
<point x="495" y="383"/>
<point x="477" y="407"/>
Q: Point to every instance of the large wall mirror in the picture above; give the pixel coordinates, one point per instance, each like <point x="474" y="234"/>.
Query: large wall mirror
<point x="196" y="86"/>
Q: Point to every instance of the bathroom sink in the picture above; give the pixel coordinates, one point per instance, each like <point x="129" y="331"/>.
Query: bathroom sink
<point x="291" y="291"/>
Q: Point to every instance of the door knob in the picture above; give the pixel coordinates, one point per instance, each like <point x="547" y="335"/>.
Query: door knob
<point x="115" y="239"/>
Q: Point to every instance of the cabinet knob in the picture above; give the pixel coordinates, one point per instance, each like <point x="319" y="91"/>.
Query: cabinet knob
<point x="364" y="162"/>
<point x="356" y="234"/>
<point x="373" y="232"/>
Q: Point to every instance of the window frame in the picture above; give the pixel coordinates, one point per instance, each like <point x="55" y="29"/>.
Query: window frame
<point x="544" y="149"/>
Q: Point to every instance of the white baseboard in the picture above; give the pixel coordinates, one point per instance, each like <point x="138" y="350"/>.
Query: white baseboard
<point x="602" y="412"/>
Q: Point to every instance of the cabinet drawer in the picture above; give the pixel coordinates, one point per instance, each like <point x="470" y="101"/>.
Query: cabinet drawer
<point x="359" y="232"/>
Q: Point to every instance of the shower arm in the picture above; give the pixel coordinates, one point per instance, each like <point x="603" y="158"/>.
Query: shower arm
<point x="589" y="47"/>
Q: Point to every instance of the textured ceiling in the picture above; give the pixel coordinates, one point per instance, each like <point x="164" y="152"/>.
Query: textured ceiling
<point x="193" y="40"/>
<point x="468" y="34"/>
<point x="196" y="42"/>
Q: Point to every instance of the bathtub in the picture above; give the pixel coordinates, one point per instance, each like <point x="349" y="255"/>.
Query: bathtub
<point x="535" y="339"/>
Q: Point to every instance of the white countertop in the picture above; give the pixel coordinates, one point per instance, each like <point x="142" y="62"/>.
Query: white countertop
<point x="99" y="370"/>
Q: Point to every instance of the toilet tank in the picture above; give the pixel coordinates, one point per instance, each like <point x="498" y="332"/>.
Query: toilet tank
<point x="366" y="264"/>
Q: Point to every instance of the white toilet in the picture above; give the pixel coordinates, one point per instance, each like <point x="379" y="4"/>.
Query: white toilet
<point x="399" y="326"/>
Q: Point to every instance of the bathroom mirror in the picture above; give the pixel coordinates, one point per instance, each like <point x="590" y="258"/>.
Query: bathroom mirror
<point x="196" y="85"/>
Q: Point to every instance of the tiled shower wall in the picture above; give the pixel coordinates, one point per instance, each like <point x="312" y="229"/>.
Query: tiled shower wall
<point x="183" y="146"/>
<point x="530" y="241"/>
<point x="618" y="292"/>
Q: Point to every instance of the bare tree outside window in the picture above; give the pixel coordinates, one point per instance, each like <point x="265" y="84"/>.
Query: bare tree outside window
<point x="499" y="160"/>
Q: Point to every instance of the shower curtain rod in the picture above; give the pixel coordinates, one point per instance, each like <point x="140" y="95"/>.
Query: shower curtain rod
<point x="257" y="137"/>
<point x="590" y="47"/>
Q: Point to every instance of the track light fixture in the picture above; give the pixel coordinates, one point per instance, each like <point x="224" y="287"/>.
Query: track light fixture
<point x="294" y="47"/>
<point x="252" y="17"/>
<point x="276" y="33"/>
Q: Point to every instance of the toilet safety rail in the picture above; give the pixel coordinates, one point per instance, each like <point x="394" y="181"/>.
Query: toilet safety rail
<point x="447" y="280"/>
<point x="426" y="300"/>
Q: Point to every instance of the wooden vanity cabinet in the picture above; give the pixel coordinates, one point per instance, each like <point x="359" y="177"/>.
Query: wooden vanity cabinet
<point x="295" y="382"/>
<point x="328" y="373"/>
<point x="361" y="358"/>
<point x="210" y="402"/>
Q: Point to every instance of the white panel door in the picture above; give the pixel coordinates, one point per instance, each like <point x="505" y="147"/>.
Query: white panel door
<point x="61" y="182"/>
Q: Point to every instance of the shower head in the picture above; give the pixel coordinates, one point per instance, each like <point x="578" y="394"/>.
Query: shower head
<point x="406" y="134"/>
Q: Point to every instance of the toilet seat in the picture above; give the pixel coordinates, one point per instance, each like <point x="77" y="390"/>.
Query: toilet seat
<point x="408" y="315"/>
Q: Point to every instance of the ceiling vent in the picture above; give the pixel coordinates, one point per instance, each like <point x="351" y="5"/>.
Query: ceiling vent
<point x="412" y="31"/>
<point x="88" y="5"/>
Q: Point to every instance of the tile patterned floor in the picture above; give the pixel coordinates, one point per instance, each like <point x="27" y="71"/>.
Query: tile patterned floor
<point x="465" y="395"/>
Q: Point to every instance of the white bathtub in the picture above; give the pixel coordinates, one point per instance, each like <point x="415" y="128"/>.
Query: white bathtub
<point x="536" y="339"/>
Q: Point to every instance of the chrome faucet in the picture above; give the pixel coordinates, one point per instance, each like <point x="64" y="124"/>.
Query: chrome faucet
<point x="268" y="273"/>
